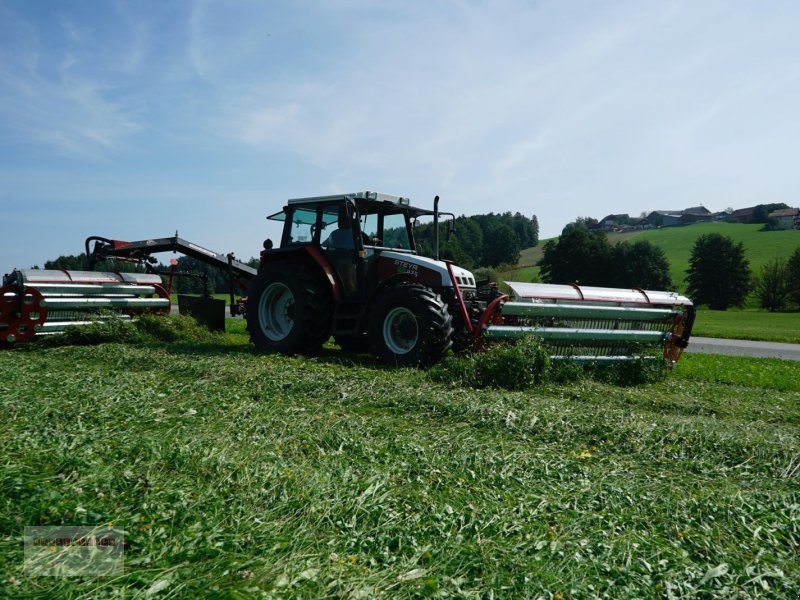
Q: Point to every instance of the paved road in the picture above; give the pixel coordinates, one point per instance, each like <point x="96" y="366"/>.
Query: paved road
<point x="706" y="345"/>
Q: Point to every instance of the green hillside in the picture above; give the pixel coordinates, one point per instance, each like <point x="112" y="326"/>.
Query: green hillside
<point x="760" y="246"/>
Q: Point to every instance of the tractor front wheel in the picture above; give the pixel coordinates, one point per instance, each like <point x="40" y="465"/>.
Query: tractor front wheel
<point x="410" y="325"/>
<point x="289" y="310"/>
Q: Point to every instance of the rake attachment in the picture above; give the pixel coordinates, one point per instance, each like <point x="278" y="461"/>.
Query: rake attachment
<point x="43" y="302"/>
<point x="593" y="324"/>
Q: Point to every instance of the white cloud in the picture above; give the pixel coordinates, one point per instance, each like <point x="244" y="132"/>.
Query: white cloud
<point x="61" y="99"/>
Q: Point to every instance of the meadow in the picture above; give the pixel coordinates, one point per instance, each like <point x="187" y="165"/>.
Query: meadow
<point x="749" y="325"/>
<point x="245" y="476"/>
<point x="760" y="246"/>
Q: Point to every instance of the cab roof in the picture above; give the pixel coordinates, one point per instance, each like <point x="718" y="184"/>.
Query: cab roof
<point x="362" y="199"/>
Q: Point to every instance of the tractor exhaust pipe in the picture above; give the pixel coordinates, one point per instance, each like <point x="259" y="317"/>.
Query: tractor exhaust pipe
<point x="436" y="228"/>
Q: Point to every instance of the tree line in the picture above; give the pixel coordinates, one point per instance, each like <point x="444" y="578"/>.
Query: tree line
<point x="588" y="258"/>
<point x="719" y="274"/>
<point x="218" y="282"/>
<point x="485" y="240"/>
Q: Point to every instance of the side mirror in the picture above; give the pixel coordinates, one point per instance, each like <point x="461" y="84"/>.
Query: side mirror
<point x="451" y="229"/>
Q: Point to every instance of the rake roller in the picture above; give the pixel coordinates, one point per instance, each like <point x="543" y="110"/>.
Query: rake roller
<point x="596" y="324"/>
<point x="42" y="302"/>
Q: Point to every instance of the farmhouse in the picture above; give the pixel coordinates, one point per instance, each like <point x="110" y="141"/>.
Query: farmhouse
<point x="668" y="218"/>
<point x="786" y="218"/>
<point x="743" y="215"/>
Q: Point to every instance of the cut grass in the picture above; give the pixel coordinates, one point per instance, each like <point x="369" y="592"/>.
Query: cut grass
<point x="272" y="476"/>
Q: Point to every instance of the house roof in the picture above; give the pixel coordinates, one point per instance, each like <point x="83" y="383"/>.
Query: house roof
<point x="613" y="217"/>
<point x="667" y="213"/>
<point x="784" y="212"/>
<point x="696" y="210"/>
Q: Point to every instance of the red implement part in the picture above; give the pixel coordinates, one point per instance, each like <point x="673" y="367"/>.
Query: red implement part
<point x="459" y="298"/>
<point x="330" y="275"/>
<point x="489" y="315"/>
<point x="20" y="313"/>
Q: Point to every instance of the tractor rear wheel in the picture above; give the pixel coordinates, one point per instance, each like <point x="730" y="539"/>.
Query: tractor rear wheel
<point x="410" y="325"/>
<point x="289" y="310"/>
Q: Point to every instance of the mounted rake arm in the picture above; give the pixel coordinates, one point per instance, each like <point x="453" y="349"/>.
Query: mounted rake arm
<point x="142" y="251"/>
<point x="43" y="302"/>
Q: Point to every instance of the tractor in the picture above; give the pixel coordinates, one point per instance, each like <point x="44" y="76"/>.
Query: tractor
<point x="348" y="266"/>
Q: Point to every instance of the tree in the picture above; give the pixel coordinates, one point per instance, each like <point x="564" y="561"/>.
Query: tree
<point x="640" y="264"/>
<point x="470" y="236"/>
<point x="793" y="268"/>
<point x="772" y="285"/>
<point x="761" y="212"/>
<point x="501" y="246"/>
<point x="468" y="243"/>
<point x="68" y="261"/>
<point x="79" y="262"/>
<point x="719" y="273"/>
<point x="578" y="255"/>
<point x="535" y="229"/>
<point x="585" y="223"/>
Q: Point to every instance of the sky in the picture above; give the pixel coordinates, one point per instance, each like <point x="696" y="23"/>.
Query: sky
<point x="132" y="120"/>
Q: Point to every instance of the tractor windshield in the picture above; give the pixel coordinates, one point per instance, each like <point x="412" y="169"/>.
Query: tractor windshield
<point x="395" y="232"/>
<point x="383" y="228"/>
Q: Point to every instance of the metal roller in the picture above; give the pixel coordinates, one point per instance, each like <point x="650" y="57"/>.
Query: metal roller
<point x="596" y="324"/>
<point x="44" y="302"/>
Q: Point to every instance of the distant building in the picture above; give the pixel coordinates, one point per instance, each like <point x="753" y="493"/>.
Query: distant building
<point x="611" y="222"/>
<point x="664" y="218"/>
<point x="696" y="210"/>
<point x="786" y="218"/>
<point x="744" y="215"/>
<point x="668" y="218"/>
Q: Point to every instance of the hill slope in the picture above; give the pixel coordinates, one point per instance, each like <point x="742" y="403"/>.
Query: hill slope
<point x="760" y="246"/>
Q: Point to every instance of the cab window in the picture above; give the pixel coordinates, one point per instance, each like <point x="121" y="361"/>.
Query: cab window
<point x="395" y="232"/>
<point x="369" y="228"/>
<point x="301" y="231"/>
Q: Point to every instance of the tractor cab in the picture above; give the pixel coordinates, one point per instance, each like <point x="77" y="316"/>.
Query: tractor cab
<point x="351" y="221"/>
<point x="352" y="232"/>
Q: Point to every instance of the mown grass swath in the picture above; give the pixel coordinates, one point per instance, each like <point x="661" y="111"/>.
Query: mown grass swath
<point x="274" y="476"/>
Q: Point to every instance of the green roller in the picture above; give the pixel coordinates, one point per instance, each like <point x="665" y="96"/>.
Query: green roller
<point x="564" y="334"/>
<point x="583" y="311"/>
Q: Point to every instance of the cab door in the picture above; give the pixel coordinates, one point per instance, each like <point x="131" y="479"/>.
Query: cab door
<point x="340" y="240"/>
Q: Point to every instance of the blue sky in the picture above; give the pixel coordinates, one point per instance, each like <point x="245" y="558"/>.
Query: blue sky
<point x="133" y="119"/>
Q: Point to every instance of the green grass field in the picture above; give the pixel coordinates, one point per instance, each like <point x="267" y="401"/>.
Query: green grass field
<point x="236" y="475"/>
<point x="677" y="242"/>
<point x="749" y="325"/>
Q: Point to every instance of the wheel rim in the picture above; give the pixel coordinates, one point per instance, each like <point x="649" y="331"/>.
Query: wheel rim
<point x="276" y="311"/>
<point x="400" y="330"/>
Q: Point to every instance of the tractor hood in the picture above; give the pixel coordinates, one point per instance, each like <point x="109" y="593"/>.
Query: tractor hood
<point x="463" y="277"/>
